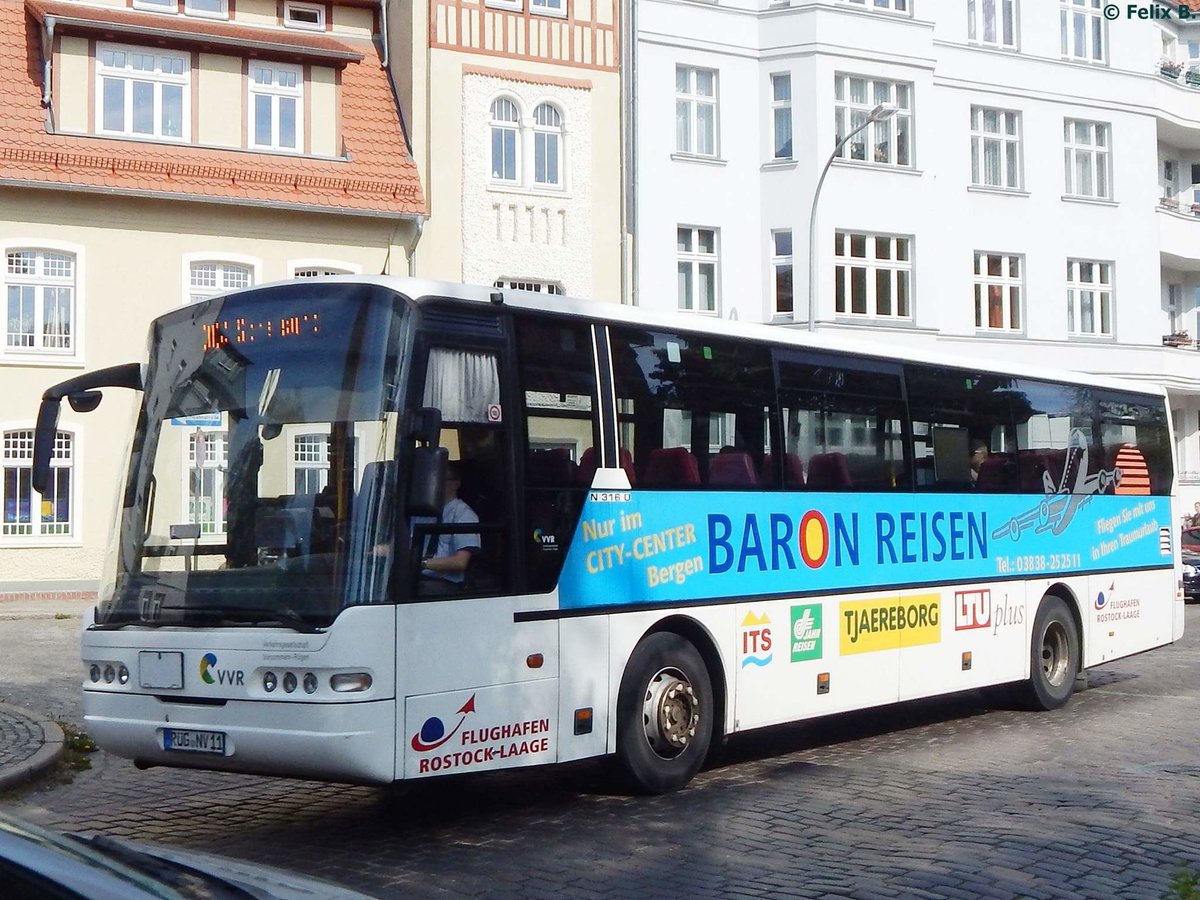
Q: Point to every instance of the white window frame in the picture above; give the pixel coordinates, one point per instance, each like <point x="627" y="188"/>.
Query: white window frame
<point x="781" y="116"/>
<point x="505" y="4"/>
<point x="1009" y="146"/>
<point x="226" y="263"/>
<point x="695" y="260"/>
<point x="275" y="93"/>
<point x="895" y="7"/>
<point x="550" y="132"/>
<point x="37" y="282"/>
<point x="190" y="10"/>
<point x="879" y="143"/>
<point x="1009" y="288"/>
<point x="1092" y="45"/>
<point x="1100" y="284"/>
<point x="156" y="78"/>
<point x="302" y="461"/>
<point x="215" y="436"/>
<point x="496" y="124"/>
<point x="65" y="456"/>
<point x="779" y="261"/>
<point x="548" y="8"/>
<point x="310" y="268"/>
<point x="289" y="22"/>
<point x="1094" y="155"/>
<point x="537" y="285"/>
<point x="898" y="271"/>
<point x="158" y="5"/>
<point x="1002" y="13"/>
<point x="690" y="135"/>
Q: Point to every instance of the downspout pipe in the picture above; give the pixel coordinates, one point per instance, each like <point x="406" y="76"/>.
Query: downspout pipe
<point x="47" y="61"/>
<point x="383" y="30"/>
<point x="411" y="249"/>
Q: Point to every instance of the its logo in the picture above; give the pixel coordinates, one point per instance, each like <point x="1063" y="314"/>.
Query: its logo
<point x="209" y="660"/>
<point x="433" y="733"/>
<point x="972" y="609"/>
<point x="806" y="633"/>
<point x="756" y="640"/>
<point x="1102" y="598"/>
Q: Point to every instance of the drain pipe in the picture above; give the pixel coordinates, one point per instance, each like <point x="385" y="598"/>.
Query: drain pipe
<point x="47" y="57"/>
<point x="411" y="249"/>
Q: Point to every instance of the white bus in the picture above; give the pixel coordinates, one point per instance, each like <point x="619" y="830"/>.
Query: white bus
<point x="676" y="530"/>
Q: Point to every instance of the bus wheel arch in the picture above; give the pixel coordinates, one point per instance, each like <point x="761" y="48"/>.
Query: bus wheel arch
<point x="1056" y="651"/>
<point x="668" y="707"/>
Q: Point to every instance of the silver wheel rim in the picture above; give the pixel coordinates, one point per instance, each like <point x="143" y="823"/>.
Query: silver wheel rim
<point x="670" y="713"/>
<point x="1056" y="654"/>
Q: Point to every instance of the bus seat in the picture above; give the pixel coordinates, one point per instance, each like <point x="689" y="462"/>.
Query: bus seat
<point x="829" y="471"/>
<point x="1031" y="465"/>
<point x="732" y="470"/>
<point x="793" y="470"/>
<point x="671" y="467"/>
<point x="587" y="467"/>
<point x="997" y="474"/>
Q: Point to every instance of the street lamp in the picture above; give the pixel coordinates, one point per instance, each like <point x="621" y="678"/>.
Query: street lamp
<point x="880" y="113"/>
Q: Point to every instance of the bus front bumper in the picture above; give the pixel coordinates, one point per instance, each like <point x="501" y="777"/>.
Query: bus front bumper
<point x="350" y="742"/>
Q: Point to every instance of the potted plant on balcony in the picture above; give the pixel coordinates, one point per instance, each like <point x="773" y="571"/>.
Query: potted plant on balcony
<point x="1177" y="339"/>
<point x="1169" y="68"/>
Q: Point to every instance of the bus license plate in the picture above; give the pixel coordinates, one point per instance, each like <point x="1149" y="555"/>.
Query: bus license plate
<point x="194" y="741"/>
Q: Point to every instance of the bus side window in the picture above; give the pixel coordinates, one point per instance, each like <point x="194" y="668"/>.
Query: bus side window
<point x="1134" y="439"/>
<point x="558" y="391"/>
<point x="693" y="411"/>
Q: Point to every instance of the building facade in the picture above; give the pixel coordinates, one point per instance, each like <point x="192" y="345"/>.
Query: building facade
<point x="153" y="153"/>
<point x="515" y="118"/>
<point x="1031" y="194"/>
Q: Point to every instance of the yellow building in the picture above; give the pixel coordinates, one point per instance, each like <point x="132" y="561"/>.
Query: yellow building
<point x="153" y="152"/>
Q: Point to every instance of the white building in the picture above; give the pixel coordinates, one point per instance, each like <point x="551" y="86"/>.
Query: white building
<point x="1031" y="199"/>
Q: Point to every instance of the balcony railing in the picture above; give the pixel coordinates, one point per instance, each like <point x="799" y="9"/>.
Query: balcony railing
<point x="1173" y="71"/>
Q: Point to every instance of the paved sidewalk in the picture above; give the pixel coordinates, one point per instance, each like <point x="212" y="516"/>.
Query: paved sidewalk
<point x="29" y="745"/>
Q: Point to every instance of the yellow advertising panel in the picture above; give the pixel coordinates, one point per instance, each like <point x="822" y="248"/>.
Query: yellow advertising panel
<point x="865" y="626"/>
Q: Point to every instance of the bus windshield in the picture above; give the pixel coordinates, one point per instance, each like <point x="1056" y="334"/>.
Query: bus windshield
<point x="259" y="486"/>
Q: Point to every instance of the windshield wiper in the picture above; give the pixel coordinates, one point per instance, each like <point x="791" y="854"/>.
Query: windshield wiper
<point x="266" y="615"/>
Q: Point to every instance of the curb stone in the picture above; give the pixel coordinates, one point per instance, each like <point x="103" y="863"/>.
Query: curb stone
<point x="49" y="752"/>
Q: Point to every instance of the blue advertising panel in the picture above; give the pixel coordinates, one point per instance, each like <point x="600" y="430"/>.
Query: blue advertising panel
<point x="637" y="547"/>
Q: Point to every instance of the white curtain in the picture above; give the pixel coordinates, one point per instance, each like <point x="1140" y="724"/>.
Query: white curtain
<point x="462" y="384"/>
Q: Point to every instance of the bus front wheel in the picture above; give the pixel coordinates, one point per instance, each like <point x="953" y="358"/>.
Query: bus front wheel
<point x="664" y="714"/>
<point x="1054" y="656"/>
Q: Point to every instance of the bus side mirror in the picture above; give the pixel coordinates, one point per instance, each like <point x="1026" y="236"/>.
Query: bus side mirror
<point x="426" y="482"/>
<point x="426" y="425"/>
<point x="43" y="443"/>
<point x="84" y="401"/>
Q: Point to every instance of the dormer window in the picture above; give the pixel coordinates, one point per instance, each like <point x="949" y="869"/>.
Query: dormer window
<point x="214" y="9"/>
<point x="304" y="15"/>
<point x="275" y="114"/>
<point x="161" y="5"/>
<point x="142" y="92"/>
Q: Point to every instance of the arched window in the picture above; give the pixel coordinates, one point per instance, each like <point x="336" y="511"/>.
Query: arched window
<point x="26" y="513"/>
<point x="210" y="278"/>
<point x="505" y="119"/>
<point x="547" y="146"/>
<point x="40" y="301"/>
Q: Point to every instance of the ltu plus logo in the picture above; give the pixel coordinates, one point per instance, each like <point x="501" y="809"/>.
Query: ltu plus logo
<point x="972" y="609"/>
<point x="806" y="633"/>
<point x="433" y="733"/>
<point x="756" y="640"/>
<point x="208" y="668"/>
<point x="206" y="662"/>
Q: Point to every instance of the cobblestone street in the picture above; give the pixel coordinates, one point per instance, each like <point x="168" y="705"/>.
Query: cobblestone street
<point x="930" y="799"/>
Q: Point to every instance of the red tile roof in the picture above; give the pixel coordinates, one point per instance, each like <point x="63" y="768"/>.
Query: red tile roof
<point x="377" y="176"/>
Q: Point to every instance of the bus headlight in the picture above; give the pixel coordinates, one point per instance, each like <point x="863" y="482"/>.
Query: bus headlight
<point x="123" y="675"/>
<point x="344" y="682"/>
<point x="94" y="672"/>
<point x="310" y="683"/>
<point x="289" y="682"/>
<point x="270" y="682"/>
<point x="110" y="674"/>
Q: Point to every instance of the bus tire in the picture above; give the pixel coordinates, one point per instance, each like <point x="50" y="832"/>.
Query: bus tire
<point x="1054" y="657"/>
<point x="665" y="714"/>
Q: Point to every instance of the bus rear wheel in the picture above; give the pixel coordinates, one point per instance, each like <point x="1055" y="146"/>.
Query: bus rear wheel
<point x="664" y="714"/>
<point x="1054" y="657"/>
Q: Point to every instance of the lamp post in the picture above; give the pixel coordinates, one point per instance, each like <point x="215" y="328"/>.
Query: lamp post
<point x="879" y="114"/>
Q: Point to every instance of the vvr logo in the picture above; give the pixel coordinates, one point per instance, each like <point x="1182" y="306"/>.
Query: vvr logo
<point x="208" y="666"/>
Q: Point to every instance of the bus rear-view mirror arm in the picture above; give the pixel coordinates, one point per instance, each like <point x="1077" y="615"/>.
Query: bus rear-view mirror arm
<point x="81" y="393"/>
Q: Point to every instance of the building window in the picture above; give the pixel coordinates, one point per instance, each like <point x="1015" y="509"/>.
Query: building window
<point x="1082" y="29"/>
<point x="25" y="512"/>
<point x="40" y="288"/>
<point x="142" y="92"/>
<point x="885" y="142"/>
<point x="998" y="288"/>
<point x="530" y="284"/>
<point x="548" y="7"/>
<point x="695" y="111"/>
<point x="310" y="456"/>
<point x="547" y="146"/>
<point x="318" y="271"/>
<point x="310" y="16"/>
<point x="169" y="5"/>
<point x="207" y="462"/>
<point x="208" y="279"/>
<point x="212" y="8"/>
<point x="781" y="270"/>
<point x="505" y="119"/>
<point x="275" y="96"/>
<point x="996" y="148"/>
<point x="781" y="115"/>
<point x="1089" y="298"/>
<point x="873" y="275"/>
<point x="897" y="6"/>
<point x="1086" y="159"/>
<point x="697" y="255"/>
<point x="992" y="22"/>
